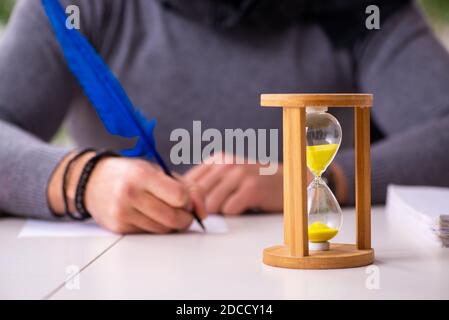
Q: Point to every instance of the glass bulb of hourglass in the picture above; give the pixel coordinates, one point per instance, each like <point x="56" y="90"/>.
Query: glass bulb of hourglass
<point x="323" y="136"/>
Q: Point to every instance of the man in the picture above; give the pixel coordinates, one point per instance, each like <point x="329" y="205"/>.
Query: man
<point x="209" y="60"/>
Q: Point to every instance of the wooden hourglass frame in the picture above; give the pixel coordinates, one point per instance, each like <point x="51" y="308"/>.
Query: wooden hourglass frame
<point x="294" y="253"/>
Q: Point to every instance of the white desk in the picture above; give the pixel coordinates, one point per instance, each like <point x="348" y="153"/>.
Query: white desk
<point x="31" y="268"/>
<point x="227" y="266"/>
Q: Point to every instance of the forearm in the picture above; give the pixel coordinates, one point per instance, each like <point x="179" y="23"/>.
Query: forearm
<point x="415" y="157"/>
<point x="407" y="70"/>
<point x="35" y="93"/>
<point x="26" y="164"/>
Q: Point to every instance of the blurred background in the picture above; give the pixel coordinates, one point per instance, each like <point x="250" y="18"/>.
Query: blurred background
<point x="5" y="9"/>
<point x="437" y="12"/>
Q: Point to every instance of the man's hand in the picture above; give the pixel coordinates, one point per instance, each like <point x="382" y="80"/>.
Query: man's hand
<point x="130" y="196"/>
<point x="232" y="189"/>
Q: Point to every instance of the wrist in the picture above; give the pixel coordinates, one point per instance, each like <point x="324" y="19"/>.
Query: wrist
<point x="55" y="193"/>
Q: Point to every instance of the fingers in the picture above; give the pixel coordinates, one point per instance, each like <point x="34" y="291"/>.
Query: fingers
<point x="169" y="201"/>
<point x="145" y="224"/>
<point x="213" y="177"/>
<point x="123" y="229"/>
<point x="118" y="224"/>
<point x="200" y="171"/>
<point x="237" y="203"/>
<point x="195" y="173"/>
<point x="174" y="193"/>
<point x="161" y="213"/>
<point x="129" y="196"/>
<point x="197" y="197"/>
<point x="224" y="189"/>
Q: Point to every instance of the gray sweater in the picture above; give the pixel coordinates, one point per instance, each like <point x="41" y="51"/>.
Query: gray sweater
<point x="177" y="70"/>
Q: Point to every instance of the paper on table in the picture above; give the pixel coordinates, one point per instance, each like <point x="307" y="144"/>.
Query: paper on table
<point x="38" y="228"/>
<point x="423" y="210"/>
<point x="213" y="224"/>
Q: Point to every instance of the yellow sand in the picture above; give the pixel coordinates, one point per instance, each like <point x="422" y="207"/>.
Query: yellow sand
<point x="318" y="157"/>
<point x="321" y="232"/>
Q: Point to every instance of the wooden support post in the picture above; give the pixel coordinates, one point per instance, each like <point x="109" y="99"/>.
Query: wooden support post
<point x="362" y="173"/>
<point x="295" y="182"/>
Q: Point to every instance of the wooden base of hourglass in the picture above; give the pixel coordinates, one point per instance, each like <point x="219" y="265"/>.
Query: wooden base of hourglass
<point x="294" y="253"/>
<point x="338" y="256"/>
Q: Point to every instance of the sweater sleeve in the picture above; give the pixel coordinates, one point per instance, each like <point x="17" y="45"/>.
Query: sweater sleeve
<point x="35" y="92"/>
<point x="407" y="70"/>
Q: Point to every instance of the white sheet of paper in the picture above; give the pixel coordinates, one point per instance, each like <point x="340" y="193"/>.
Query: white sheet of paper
<point x="38" y="228"/>
<point x="213" y="224"/>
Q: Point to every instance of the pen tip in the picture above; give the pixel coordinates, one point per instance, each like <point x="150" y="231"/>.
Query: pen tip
<point x="202" y="225"/>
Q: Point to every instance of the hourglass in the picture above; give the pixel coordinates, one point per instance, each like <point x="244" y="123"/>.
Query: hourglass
<point x="312" y="215"/>
<point x="323" y="138"/>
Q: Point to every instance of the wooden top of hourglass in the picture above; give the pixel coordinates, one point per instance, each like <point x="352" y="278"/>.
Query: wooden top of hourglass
<point x="304" y="100"/>
<point x="294" y="253"/>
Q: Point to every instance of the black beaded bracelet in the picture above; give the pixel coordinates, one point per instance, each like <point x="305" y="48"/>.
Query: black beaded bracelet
<point x="64" y="180"/>
<point x="89" y="167"/>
